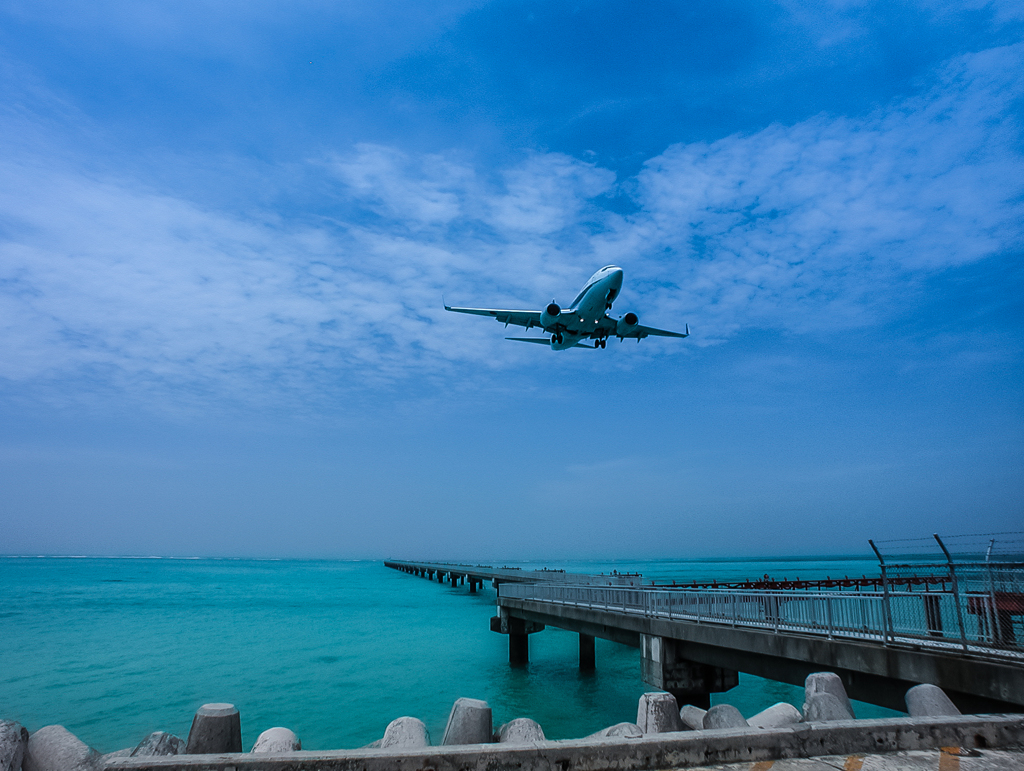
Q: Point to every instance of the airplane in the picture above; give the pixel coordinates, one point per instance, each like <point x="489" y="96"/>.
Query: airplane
<point x="586" y="318"/>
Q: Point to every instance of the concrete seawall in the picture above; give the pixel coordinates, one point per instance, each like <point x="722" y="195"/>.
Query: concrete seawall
<point x="658" y="751"/>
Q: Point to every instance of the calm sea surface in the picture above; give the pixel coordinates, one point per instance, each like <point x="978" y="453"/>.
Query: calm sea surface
<point x="116" y="648"/>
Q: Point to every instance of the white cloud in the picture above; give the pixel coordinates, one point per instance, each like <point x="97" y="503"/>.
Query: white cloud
<point x="828" y="223"/>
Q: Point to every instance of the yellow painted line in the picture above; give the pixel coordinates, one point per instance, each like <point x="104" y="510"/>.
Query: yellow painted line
<point x="853" y="763"/>
<point x="949" y="759"/>
<point x="762" y="765"/>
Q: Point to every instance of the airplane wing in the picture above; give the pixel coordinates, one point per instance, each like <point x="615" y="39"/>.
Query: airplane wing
<point x="545" y="341"/>
<point x="609" y="327"/>
<point x="541" y="340"/>
<point x="519" y="318"/>
<point x="642" y="331"/>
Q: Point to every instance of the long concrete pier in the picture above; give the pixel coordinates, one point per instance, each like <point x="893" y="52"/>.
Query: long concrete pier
<point x="475" y="575"/>
<point x="695" y="642"/>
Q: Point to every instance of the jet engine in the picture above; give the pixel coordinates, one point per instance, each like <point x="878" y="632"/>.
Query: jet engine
<point x="627" y="324"/>
<point x="549" y="316"/>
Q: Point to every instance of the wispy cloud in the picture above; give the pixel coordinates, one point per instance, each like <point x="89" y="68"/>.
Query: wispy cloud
<point x="828" y="223"/>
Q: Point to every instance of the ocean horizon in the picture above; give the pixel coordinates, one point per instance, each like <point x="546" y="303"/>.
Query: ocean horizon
<point x="114" y="648"/>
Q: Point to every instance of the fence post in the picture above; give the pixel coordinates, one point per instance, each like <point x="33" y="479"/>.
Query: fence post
<point x="888" y="632"/>
<point x="734" y="610"/>
<point x="994" y="625"/>
<point x="828" y="612"/>
<point x="956" y="592"/>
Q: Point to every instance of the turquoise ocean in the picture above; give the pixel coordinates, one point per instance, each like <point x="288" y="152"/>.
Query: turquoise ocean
<point x="114" y="648"/>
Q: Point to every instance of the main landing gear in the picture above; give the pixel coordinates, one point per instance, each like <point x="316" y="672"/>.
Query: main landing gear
<point x="601" y="343"/>
<point x="557" y="338"/>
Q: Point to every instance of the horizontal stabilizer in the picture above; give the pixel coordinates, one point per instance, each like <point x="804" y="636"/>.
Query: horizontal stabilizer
<point x="542" y="340"/>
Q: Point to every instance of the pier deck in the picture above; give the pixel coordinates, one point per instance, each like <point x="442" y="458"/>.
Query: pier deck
<point x="694" y="642"/>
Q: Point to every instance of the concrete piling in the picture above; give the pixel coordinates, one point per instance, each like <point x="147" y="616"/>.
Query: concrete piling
<point x="13" y="741"/>
<point x="657" y="713"/>
<point x="588" y="658"/>
<point x="663" y="664"/>
<point x="929" y="701"/>
<point x="405" y="732"/>
<point x="277" y="740"/>
<point x="216" y="728"/>
<point x="468" y="723"/>
<point x="55" y="748"/>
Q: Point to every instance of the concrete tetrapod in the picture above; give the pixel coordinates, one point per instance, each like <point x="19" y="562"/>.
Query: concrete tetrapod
<point x="775" y="716"/>
<point x="159" y="743"/>
<point x="724" y="716"/>
<point x="522" y="730"/>
<point x="405" y="732"/>
<point x="822" y="707"/>
<point x="277" y="740"/>
<point x="929" y="701"/>
<point x="13" y="741"/>
<point x="125" y="753"/>
<point x="827" y="682"/>
<point x="619" y="729"/>
<point x="468" y="723"/>
<point x="216" y="728"/>
<point x="55" y="748"/>
<point x="692" y="717"/>
<point x="658" y="713"/>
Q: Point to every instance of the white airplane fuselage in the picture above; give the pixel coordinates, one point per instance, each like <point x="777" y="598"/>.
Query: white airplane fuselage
<point x="586" y="318"/>
<point x="579" y="321"/>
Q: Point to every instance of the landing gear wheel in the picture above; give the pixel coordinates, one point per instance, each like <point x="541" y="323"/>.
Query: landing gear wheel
<point x="557" y="338"/>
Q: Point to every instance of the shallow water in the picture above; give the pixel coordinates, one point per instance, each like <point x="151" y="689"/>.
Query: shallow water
<point x="115" y="648"/>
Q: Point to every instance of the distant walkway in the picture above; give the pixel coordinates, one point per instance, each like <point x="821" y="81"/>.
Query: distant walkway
<point x="475" y="575"/>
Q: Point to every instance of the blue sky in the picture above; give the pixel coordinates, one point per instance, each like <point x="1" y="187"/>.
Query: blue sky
<point x="225" y="230"/>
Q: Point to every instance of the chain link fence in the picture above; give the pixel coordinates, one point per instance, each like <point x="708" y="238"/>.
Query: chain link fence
<point x="965" y="589"/>
<point x="969" y="602"/>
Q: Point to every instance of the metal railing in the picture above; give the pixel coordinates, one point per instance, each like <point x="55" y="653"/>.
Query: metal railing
<point x="889" y="618"/>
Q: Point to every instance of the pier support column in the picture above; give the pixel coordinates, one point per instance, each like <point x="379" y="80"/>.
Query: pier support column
<point x="472" y="585"/>
<point x="664" y="666"/>
<point x="518" y="643"/>
<point x="588" y="660"/>
<point x="518" y="632"/>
